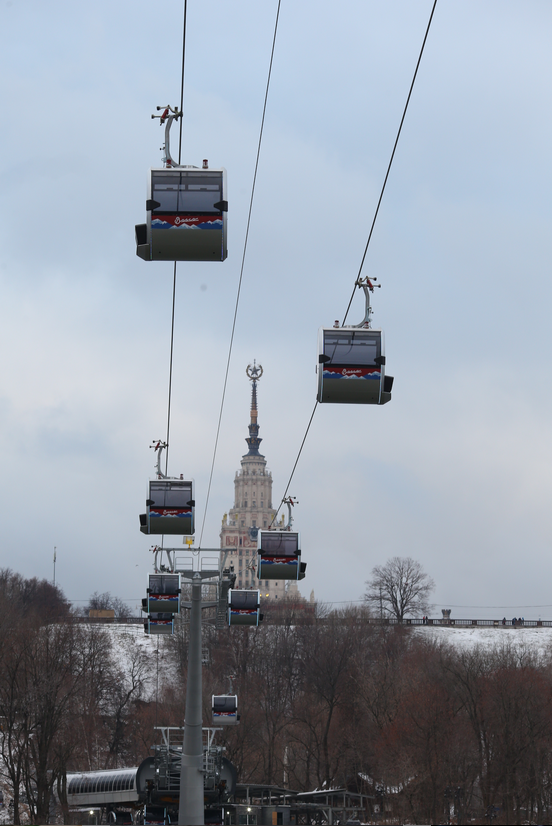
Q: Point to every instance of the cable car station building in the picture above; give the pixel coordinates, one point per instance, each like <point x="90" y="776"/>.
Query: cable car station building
<point x="252" y="509"/>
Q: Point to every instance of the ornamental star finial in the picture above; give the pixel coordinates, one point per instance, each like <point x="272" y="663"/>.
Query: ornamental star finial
<point x="254" y="372"/>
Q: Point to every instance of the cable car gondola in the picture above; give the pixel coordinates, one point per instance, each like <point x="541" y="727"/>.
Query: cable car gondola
<point x="159" y="623"/>
<point x="170" y="508"/>
<point x="163" y="593"/>
<point x="225" y="710"/>
<point x="351" y="360"/>
<point x="351" y="366"/>
<point x="186" y="210"/>
<point x="186" y="216"/>
<point x="243" y="607"/>
<point x="279" y="555"/>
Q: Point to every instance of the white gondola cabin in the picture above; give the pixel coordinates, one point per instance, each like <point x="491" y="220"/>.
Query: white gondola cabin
<point x="279" y="555"/>
<point x="163" y="593"/>
<point x="225" y="710"/>
<point x="243" y="607"/>
<point x="160" y="623"/>
<point x="170" y="508"/>
<point x="186" y="216"/>
<point x="351" y="366"/>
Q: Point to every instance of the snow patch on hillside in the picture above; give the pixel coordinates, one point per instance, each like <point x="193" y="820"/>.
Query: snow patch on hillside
<point x="132" y="648"/>
<point x="538" y="640"/>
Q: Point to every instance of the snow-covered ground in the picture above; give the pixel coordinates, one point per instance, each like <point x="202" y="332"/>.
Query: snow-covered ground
<point x="132" y="649"/>
<point x="130" y="640"/>
<point x="123" y="636"/>
<point x="127" y="639"/>
<point x="537" y="639"/>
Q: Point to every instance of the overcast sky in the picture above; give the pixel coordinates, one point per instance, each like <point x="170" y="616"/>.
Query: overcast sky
<point x="457" y="470"/>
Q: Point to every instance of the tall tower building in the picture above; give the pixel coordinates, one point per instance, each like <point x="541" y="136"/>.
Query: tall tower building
<point x="252" y="508"/>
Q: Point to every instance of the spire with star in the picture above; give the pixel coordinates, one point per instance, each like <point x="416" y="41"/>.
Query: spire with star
<point x="254" y="373"/>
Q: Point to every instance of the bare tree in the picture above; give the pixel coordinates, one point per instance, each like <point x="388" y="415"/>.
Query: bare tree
<point x="399" y="587"/>
<point x="104" y="602"/>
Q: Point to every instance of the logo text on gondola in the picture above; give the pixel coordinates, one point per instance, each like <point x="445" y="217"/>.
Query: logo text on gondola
<point x="179" y="220"/>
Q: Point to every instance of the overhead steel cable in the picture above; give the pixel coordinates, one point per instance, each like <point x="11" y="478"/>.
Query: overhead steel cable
<point x="182" y="82"/>
<point x="390" y="162"/>
<point x="174" y="271"/>
<point x="296" y="462"/>
<point x="170" y="373"/>
<point x="371" y="231"/>
<point x="241" y="274"/>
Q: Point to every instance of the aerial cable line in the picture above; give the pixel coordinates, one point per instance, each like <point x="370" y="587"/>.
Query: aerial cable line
<point x="296" y="462"/>
<point x="390" y="163"/>
<point x="170" y="373"/>
<point x="182" y="82"/>
<point x="174" y="272"/>
<point x="369" y="236"/>
<point x="241" y="274"/>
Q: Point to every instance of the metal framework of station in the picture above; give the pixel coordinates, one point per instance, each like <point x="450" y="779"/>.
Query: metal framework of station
<point x="334" y="805"/>
<point x="262" y="804"/>
<point x="155" y="784"/>
<point x="154" y="787"/>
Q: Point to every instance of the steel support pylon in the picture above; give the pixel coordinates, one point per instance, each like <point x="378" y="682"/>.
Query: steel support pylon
<point x="191" y="811"/>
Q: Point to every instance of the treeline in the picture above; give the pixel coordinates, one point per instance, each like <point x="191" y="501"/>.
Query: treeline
<point x="325" y="701"/>
<point x="424" y="728"/>
<point x="68" y="700"/>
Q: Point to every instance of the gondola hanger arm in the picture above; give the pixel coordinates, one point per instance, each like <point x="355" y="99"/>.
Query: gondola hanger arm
<point x="169" y="114"/>
<point x="159" y="446"/>
<point x="368" y="285"/>
<point x="290" y="502"/>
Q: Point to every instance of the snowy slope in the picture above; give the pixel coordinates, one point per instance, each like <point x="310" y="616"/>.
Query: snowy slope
<point x="133" y="649"/>
<point x="538" y="639"/>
